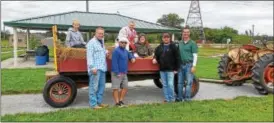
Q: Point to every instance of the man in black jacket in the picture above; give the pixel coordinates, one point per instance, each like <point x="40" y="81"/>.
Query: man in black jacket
<point x="168" y="58"/>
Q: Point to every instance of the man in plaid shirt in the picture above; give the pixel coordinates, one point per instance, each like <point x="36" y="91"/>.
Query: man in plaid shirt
<point x="97" y="67"/>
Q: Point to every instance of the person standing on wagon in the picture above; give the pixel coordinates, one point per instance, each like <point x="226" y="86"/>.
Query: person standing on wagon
<point x="188" y="53"/>
<point x="167" y="56"/>
<point x="119" y="68"/>
<point x="129" y="33"/>
<point x="74" y="37"/>
<point x="97" y="67"/>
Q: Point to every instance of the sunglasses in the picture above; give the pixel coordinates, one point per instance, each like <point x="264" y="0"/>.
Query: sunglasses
<point x="123" y="42"/>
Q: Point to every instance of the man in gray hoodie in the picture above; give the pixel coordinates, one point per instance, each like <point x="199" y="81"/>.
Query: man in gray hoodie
<point x="74" y="37"/>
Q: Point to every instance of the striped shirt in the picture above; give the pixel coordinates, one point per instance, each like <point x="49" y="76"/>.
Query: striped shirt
<point x="96" y="55"/>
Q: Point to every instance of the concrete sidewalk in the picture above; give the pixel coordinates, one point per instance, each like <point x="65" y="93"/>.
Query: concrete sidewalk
<point x="140" y="92"/>
<point x="30" y="63"/>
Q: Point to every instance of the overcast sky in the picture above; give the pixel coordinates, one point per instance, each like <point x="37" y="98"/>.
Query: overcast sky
<point x="215" y="14"/>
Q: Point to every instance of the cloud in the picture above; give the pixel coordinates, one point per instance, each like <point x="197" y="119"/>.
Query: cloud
<point x="215" y="14"/>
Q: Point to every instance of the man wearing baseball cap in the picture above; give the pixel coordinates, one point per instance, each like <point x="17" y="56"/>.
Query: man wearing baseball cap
<point x="167" y="56"/>
<point x="119" y="68"/>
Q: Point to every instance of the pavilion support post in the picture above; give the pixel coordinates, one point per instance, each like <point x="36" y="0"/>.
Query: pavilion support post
<point x="173" y="37"/>
<point x="28" y="39"/>
<point x="4" y="34"/>
<point x="15" y="40"/>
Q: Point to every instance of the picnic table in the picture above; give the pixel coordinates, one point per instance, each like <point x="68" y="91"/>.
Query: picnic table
<point x="29" y="53"/>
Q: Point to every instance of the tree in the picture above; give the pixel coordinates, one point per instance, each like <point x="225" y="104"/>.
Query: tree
<point x="5" y="35"/>
<point x="172" y="20"/>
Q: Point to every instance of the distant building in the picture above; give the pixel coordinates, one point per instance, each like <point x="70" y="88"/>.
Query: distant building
<point x="48" y="41"/>
<point x="22" y="38"/>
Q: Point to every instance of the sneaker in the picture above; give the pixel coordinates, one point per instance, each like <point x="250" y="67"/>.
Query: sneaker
<point x="118" y="105"/>
<point x="122" y="103"/>
<point x="177" y="100"/>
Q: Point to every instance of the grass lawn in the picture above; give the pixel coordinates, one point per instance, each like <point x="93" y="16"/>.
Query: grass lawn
<point x="10" y="49"/>
<point x="22" y="80"/>
<point x="4" y="43"/>
<point x="5" y="56"/>
<point x="239" y="109"/>
<point x="211" y="51"/>
<point x="207" y="68"/>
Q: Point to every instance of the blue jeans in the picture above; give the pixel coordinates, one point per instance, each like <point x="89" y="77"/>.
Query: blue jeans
<point x="184" y="74"/>
<point x="96" y="87"/>
<point x="168" y="85"/>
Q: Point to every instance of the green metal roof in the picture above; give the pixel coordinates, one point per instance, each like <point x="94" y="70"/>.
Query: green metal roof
<point x="89" y="21"/>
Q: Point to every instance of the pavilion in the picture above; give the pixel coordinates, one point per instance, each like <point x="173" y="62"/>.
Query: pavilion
<point x="111" y="22"/>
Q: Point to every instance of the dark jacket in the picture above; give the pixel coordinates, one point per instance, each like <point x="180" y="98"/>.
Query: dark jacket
<point x="143" y="50"/>
<point x="170" y="60"/>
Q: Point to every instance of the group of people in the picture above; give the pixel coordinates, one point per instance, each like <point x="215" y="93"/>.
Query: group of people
<point x="172" y="60"/>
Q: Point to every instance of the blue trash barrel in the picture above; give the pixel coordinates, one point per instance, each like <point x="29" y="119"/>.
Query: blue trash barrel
<point x="47" y="57"/>
<point x="41" y="60"/>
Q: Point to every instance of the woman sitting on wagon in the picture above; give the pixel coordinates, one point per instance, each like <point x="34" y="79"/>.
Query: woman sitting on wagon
<point x="74" y="37"/>
<point x="143" y="48"/>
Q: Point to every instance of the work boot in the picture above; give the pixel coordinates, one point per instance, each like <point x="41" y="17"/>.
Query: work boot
<point x="96" y="107"/>
<point x="103" y="105"/>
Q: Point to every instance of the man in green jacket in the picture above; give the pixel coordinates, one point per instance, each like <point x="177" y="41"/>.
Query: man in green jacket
<point x="188" y="53"/>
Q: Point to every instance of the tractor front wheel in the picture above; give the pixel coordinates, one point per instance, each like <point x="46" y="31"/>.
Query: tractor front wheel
<point x="225" y="67"/>
<point x="60" y="92"/>
<point x="263" y="74"/>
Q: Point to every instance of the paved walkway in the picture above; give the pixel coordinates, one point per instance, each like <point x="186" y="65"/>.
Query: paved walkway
<point x="140" y="92"/>
<point x="30" y="63"/>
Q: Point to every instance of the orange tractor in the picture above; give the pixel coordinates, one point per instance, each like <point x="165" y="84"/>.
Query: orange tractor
<point x="249" y="62"/>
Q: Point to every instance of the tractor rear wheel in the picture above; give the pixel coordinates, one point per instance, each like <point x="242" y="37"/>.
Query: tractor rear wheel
<point x="263" y="74"/>
<point x="60" y="92"/>
<point x="223" y="69"/>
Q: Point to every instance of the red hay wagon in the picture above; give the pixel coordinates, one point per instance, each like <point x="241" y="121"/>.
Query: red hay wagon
<point x="61" y="87"/>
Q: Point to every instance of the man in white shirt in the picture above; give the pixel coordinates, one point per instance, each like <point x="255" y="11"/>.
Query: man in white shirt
<point x="129" y="33"/>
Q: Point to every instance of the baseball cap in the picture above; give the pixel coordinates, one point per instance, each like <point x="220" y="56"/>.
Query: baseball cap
<point x="123" y="39"/>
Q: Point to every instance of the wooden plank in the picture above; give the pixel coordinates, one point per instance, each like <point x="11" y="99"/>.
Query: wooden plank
<point x="50" y="74"/>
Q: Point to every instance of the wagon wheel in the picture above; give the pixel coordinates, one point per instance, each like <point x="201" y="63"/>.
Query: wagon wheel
<point x="60" y="92"/>
<point x="195" y="85"/>
<point x="263" y="74"/>
<point x="194" y="89"/>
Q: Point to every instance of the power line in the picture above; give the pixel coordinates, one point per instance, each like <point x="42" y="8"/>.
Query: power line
<point x="127" y="6"/>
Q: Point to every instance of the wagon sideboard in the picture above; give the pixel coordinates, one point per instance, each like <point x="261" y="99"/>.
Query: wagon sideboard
<point x="141" y="66"/>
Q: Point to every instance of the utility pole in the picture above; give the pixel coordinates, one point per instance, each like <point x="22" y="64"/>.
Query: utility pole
<point x="87" y="10"/>
<point x="253" y="32"/>
<point x="194" y="20"/>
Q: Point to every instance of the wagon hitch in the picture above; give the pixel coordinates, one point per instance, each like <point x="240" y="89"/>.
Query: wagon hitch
<point x="230" y="81"/>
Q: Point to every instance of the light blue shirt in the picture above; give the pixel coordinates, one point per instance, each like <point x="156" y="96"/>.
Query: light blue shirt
<point x="96" y="55"/>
